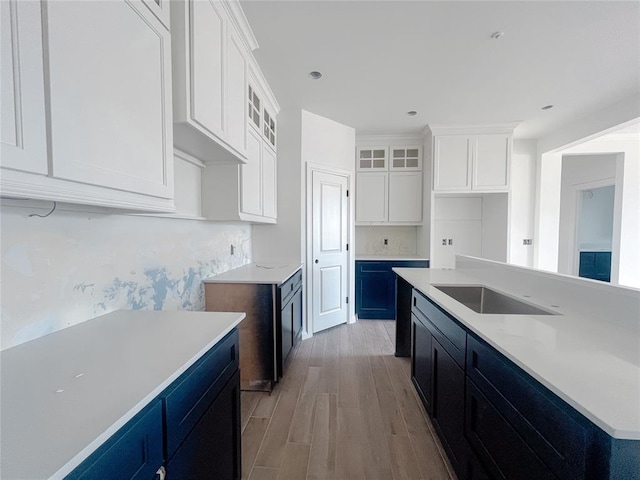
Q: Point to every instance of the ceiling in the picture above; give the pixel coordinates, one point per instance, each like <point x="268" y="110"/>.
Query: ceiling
<point x="380" y="59"/>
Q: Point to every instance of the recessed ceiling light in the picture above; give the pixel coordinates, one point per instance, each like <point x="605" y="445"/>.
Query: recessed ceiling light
<point x="547" y="107"/>
<point x="412" y="113"/>
<point x="315" y="75"/>
<point x="497" y="35"/>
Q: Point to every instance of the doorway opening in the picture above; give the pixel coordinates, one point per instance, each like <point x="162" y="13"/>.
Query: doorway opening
<point x="594" y="233"/>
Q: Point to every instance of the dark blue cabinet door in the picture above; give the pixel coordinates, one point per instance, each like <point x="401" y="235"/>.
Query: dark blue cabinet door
<point x="212" y="449"/>
<point x="421" y="362"/>
<point x="447" y="407"/>
<point x="133" y="452"/>
<point x="376" y="287"/>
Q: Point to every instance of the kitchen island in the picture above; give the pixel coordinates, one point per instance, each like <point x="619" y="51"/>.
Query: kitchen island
<point x="68" y="396"/>
<point x="578" y="364"/>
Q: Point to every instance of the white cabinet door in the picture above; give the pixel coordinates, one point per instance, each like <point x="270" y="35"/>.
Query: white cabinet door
<point x="236" y="93"/>
<point x="206" y="64"/>
<point x="371" y="159"/>
<point x="372" y="197"/>
<point x="491" y="162"/>
<point x="405" y="158"/>
<point x="251" y="177"/>
<point x="269" y="183"/>
<point x="22" y="131"/>
<point x="160" y="9"/>
<point x="452" y="163"/>
<point x="110" y="93"/>
<point x="405" y="196"/>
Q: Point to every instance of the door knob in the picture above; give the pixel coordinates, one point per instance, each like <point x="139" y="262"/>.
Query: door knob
<point x="317" y="260"/>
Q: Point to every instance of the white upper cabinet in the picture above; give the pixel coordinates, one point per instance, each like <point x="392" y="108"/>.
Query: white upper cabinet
<point x="471" y="162"/>
<point x="108" y="91"/>
<point x="405" y="158"/>
<point x="371" y="159"/>
<point x="452" y="164"/>
<point x="492" y="159"/>
<point x="110" y="94"/>
<point x="210" y="81"/>
<point x="405" y="197"/>
<point x="269" y="183"/>
<point x="388" y="183"/>
<point x="23" y="128"/>
<point x="372" y="197"/>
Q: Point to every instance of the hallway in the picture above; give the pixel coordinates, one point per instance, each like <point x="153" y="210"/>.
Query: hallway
<point x="346" y="409"/>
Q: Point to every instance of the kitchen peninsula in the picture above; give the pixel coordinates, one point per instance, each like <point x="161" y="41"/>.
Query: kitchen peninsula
<point x="560" y="387"/>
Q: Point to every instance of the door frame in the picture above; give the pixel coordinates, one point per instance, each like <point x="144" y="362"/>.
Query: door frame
<point x="308" y="244"/>
<point x="617" y="223"/>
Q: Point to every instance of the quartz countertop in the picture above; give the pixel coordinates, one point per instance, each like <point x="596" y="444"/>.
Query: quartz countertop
<point x="261" y="273"/>
<point x="588" y="353"/>
<point x="382" y="258"/>
<point x="66" y="393"/>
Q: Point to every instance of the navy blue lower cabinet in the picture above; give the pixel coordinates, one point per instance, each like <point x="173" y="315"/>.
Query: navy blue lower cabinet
<point x="376" y="287"/>
<point x="595" y="265"/>
<point x="191" y="430"/>
<point x="134" y="452"/>
<point x="212" y="448"/>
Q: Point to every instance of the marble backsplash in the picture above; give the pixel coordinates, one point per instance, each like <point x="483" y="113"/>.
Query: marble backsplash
<point x="369" y="240"/>
<point x="72" y="266"/>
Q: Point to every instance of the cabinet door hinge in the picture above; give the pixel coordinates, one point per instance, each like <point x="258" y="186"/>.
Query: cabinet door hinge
<point x="347" y="193"/>
<point x="347" y="247"/>
<point x="347" y="300"/>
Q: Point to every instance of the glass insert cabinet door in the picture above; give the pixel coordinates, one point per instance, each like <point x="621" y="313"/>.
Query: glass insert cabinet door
<point x="372" y="158"/>
<point x="406" y="158"/>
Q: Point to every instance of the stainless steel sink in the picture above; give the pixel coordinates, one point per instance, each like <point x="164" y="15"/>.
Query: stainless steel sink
<point x="484" y="300"/>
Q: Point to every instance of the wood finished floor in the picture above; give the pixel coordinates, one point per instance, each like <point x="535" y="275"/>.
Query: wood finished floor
<point x="345" y="409"/>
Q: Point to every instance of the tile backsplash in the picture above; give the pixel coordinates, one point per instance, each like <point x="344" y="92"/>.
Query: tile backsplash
<point x="400" y="240"/>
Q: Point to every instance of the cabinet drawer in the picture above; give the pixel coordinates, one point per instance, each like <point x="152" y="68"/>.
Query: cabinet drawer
<point x="450" y="335"/>
<point x="190" y="396"/>
<point x="497" y="443"/>
<point x="547" y="425"/>
<point x="133" y="452"/>
<point x="374" y="267"/>
<point x="288" y="288"/>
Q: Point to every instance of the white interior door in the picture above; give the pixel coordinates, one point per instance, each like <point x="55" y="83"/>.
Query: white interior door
<point x="329" y="247"/>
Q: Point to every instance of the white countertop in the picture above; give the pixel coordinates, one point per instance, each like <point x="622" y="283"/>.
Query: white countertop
<point x="588" y="355"/>
<point x="257" y="273"/>
<point x="382" y="258"/>
<point x="66" y="393"/>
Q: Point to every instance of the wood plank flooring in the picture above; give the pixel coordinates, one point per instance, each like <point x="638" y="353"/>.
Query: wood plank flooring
<point x="345" y="409"/>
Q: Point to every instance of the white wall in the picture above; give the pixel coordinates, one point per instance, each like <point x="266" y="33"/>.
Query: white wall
<point x="72" y="266"/>
<point x="549" y="197"/>
<point x="401" y="240"/>
<point x="326" y="143"/>
<point x="424" y="231"/>
<point x="282" y="243"/>
<point x="598" y="123"/>
<point x="522" y="209"/>
<point x="578" y="172"/>
<point x="596" y="219"/>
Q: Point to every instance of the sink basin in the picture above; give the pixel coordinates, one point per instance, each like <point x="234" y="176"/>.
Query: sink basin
<point x="484" y="300"/>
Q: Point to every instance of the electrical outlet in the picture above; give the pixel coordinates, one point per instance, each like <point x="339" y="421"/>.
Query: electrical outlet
<point x="527" y="241"/>
<point x="386" y="241"/>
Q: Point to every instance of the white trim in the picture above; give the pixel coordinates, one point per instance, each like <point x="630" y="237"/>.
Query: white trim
<point x="450" y="129"/>
<point x="188" y="158"/>
<point x="308" y="281"/>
